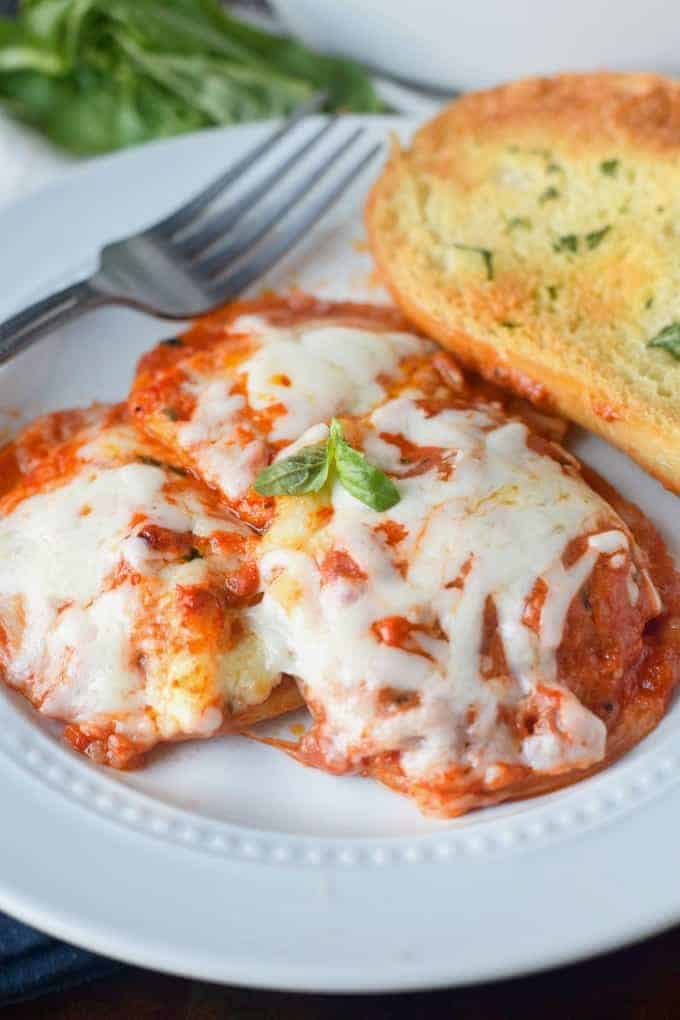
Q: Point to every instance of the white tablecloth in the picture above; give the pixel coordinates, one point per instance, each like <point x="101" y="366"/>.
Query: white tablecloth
<point x="27" y="161"/>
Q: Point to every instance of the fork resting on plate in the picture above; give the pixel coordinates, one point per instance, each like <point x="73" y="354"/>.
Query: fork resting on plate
<point x="202" y="255"/>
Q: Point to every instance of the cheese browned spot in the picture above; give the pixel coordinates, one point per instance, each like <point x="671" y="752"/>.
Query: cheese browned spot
<point x="121" y="588"/>
<point x="427" y="639"/>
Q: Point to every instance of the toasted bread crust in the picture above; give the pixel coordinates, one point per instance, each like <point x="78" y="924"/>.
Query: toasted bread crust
<point x="532" y="229"/>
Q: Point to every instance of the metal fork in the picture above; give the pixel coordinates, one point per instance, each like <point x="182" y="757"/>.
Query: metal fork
<point x="198" y="257"/>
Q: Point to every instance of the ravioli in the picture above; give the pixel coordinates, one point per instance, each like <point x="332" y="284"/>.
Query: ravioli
<point x="509" y="625"/>
<point x="122" y="587"/>
<point x="252" y="381"/>
<point x="484" y="638"/>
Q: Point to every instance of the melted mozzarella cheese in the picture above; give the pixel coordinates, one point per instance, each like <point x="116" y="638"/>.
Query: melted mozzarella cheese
<point x="301" y="375"/>
<point x="57" y="548"/>
<point x="91" y="610"/>
<point x="490" y="527"/>
<point x="212" y="435"/>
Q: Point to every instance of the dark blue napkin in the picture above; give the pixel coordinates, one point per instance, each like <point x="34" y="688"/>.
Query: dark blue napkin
<point x="33" y="964"/>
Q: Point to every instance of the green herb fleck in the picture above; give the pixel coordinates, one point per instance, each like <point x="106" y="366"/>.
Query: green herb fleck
<point x="153" y="462"/>
<point x="595" y="236"/>
<point x="668" y="339"/>
<point x="569" y="242"/>
<point x="173" y="341"/>
<point x="649" y="302"/>
<point x="553" y="291"/>
<point x="170" y="413"/>
<point x="508" y="324"/>
<point x="309" y="469"/>
<point x="486" y="254"/>
<point x="519" y="221"/>
<point x="553" y="168"/>
<point x="549" y="194"/>
<point x="610" y="167"/>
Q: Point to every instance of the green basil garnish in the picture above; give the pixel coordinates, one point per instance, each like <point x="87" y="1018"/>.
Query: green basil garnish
<point x="308" y="471"/>
<point x="305" y="471"/>
<point x="364" y="481"/>
<point x="668" y="339"/>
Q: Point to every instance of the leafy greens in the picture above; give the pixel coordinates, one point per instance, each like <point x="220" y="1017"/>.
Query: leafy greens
<point x="98" y="75"/>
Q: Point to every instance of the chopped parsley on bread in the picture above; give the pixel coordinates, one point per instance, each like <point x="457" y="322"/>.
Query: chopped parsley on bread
<point x="534" y="229"/>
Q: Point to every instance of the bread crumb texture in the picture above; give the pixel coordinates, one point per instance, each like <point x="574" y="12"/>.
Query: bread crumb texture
<point x="535" y="229"/>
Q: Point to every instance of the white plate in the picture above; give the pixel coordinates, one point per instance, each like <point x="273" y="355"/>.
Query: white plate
<point x="228" y="861"/>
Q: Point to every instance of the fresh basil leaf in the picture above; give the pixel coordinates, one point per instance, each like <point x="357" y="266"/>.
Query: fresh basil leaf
<point x="19" y="51"/>
<point x="304" y="471"/>
<point x="97" y="75"/>
<point x="361" y="479"/>
<point x="668" y="339"/>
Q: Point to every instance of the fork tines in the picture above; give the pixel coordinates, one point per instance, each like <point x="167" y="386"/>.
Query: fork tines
<point x="223" y="239"/>
<point x="244" y="222"/>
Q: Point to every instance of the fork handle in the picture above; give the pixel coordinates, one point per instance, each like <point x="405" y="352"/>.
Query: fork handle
<point x="23" y="329"/>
